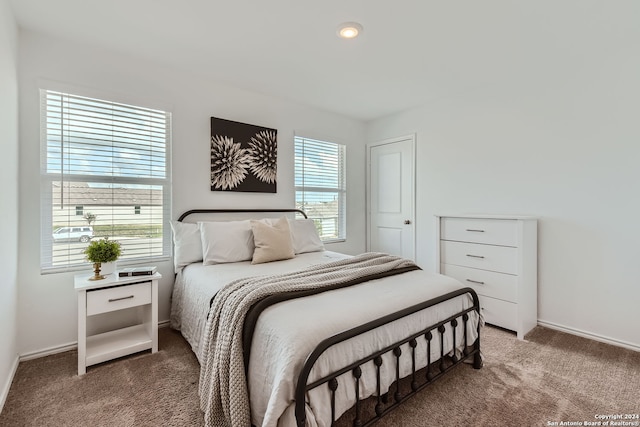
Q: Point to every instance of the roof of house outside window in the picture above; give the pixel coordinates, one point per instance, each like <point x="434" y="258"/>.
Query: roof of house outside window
<point x="81" y="194"/>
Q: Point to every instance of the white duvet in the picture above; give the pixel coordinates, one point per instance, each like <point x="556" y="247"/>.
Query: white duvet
<point x="287" y="332"/>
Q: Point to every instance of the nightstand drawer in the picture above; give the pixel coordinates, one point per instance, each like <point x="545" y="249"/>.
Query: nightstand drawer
<point x="487" y="283"/>
<point x="118" y="298"/>
<point x="477" y="230"/>
<point x="499" y="313"/>
<point x="502" y="259"/>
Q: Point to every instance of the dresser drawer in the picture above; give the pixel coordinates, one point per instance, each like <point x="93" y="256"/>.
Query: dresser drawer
<point x="118" y="298"/>
<point x="499" y="313"/>
<point x="487" y="283"/>
<point x="502" y="232"/>
<point x="501" y="259"/>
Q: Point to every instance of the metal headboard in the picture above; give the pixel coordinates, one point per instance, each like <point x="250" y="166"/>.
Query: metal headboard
<point x="200" y="211"/>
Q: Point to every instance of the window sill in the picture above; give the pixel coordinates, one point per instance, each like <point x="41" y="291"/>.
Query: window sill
<point x="328" y="242"/>
<point x="88" y="266"/>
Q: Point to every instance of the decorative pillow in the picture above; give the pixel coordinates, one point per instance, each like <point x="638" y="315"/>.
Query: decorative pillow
<point x="272" y="242"/>
<point x="223" y="242"/>
<point x="187" y="245"/>
<point x="270" y="221"/>
<point x="305" y="236"/>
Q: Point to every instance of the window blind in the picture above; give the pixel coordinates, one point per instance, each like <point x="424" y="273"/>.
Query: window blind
<point x="320" y="185"/>
<point x="104" y="173"/>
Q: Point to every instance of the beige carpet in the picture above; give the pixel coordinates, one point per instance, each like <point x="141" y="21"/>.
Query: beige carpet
<point x="550" y="377"/>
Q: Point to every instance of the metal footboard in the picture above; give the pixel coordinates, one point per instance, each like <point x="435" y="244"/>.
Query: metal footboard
<point x="418" y="382"/>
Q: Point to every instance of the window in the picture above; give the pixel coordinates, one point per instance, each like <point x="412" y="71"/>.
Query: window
<point x="320" y="185"/>
<point x="100" y="160"/>
<point x="136" y="209"/>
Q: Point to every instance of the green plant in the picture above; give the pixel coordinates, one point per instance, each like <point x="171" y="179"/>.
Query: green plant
<point x="103" y="250"/>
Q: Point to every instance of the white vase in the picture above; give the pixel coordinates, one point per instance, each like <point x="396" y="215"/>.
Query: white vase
<point x="108" y="268"/>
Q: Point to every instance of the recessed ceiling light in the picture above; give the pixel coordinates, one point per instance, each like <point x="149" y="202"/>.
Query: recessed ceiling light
<point x="349" y="30"/>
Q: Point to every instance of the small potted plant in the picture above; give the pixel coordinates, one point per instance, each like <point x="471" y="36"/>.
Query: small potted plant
<point x="100" y="251"/>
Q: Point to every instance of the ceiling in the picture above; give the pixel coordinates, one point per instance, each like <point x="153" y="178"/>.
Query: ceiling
<point x="412" y="52"/>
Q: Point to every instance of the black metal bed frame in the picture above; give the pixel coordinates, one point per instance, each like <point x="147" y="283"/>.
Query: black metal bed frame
<point x="382" y="405"/>
<point x="204" y="211"/>
<point x="381" y="408"/>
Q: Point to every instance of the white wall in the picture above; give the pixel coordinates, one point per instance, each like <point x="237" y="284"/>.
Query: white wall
<point x="9" y="197"/>
<point x="47" y="311"/>
<point x="563" y="145"/>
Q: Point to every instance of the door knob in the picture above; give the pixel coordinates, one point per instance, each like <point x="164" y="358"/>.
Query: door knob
<point x="407" y="222"/>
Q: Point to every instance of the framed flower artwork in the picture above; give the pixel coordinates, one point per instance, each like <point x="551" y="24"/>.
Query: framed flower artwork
<point x="243" y="157"/>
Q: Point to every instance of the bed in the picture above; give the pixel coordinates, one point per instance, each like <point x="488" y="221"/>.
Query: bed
<point x="325" y="338"/>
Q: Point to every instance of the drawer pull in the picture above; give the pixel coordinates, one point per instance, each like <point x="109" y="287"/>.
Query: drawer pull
<point x="120" y="299"/>
<point x="475" y="281"/>
<point x="475" y="256"/>
<point x="475" y="230"/>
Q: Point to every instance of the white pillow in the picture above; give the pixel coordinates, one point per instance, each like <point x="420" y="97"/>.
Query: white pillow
<point x="305" y="236"/>
<point x="229" y="241"/>
<point x="272" y="242"/>
<point x="187" y="246"/>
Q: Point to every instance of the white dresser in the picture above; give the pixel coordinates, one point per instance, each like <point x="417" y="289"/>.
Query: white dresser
<point x="497" y="257"/>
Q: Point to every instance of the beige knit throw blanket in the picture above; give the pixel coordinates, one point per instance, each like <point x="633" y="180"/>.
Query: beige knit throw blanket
<point x="223" y="385"/>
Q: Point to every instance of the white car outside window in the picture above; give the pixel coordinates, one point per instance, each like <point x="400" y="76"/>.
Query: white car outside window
<point x="81" y="234"/>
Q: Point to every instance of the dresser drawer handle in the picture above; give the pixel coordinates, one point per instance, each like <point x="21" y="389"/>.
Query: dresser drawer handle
<point x="474" y="230"/>
<point x="475" y="256"/>
<point x="120" y="299"/>
<point x="475" y="281"/>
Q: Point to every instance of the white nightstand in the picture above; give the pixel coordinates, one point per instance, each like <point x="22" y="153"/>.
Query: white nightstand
<point x="109" y="295"/>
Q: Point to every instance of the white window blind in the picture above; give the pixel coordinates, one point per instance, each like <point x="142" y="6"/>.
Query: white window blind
<point x="108" y="158"/>
<point x="320" y="185"/>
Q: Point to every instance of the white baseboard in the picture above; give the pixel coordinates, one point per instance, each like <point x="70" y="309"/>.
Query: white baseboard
<point x="589" y="335"/>
<point x="49" y="351"/>
<point x="66" y="347"/>
<point x="8" y="382"/>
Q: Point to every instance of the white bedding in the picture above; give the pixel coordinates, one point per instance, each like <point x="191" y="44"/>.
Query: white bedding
<point x="197" y="283"/>
<point x="283" y="341"/>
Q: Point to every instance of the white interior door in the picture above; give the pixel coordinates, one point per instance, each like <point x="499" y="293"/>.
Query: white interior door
<point x="391" y="197"/>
